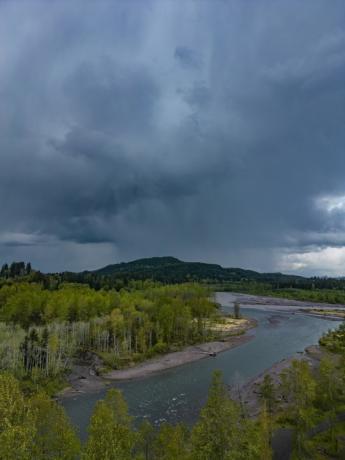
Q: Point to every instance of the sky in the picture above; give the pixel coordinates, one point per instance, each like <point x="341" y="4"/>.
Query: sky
<point x="206" y="130"/>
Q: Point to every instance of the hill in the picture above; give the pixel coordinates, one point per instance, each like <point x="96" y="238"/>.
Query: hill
<point x="170" y="269"/>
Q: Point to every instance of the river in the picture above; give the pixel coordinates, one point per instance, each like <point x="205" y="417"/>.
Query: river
<point x="178" y="394"/>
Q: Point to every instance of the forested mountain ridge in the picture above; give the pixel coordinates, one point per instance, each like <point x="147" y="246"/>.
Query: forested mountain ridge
<point x="170" y="269"/>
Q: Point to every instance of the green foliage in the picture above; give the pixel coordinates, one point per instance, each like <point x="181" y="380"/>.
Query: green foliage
<point x="145" y="441"/>
<point x="171" y="443"/>
<point x="35" y="428"/>
<point x="329" y="291"/>
<point x="43" y="330"/>
<point x="162" y="269"/>
<point x="54" y="436"/>
<point x="268" y="393"/>
<point x="313" y="402"/>
<point x="265" y="433"/>
<point x="222" y="432"/>
<point x="334" y="341"/>
<point x="46" y="322"/>
<point x="329" y="444"/>
<point x="110" y="433"/>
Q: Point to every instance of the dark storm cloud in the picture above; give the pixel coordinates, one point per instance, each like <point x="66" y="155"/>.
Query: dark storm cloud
<point x="106" y="98"/>
<point x="209" y="131"/>
<point x="187" y="57"/>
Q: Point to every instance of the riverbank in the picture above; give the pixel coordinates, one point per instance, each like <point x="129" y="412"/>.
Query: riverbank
<point x="336" y="314"/>
<point x="227" y="298"/>
<point x="276" y="304"/>
<point x="178" y="358"/>
<point x="249" y="394"/>
<point x="84" y="379"/>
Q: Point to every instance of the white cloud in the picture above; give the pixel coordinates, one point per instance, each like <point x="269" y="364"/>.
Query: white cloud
<point x="325" y="261"/>
<point x="331" y="203"/>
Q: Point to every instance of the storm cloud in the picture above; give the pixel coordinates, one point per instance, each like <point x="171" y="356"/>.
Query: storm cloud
<point x="211" y="131"/>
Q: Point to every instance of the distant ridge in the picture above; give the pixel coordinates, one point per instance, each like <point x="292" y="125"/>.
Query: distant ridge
<point x="174" y="270"/>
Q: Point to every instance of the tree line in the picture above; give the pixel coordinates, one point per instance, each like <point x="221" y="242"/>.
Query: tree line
<point x="168" y="270"/>
<point x="310" y="402"/>
<point x="42" y="330"/>
<point x="37" y="427"/>
<point x="314" y="293"/>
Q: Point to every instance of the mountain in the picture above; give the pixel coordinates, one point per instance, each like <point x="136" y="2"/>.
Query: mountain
<point x="170" y="269"/>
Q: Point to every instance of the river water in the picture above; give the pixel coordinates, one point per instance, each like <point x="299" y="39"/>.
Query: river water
<point x="178" y="394"/>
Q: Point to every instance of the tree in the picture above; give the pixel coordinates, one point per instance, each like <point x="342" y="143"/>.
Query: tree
<point x="145" y="438"/>
<point x="35" y="428"/>
<point x="4" y="271"/>
<point x="237" y="312"/>
<point x="54" y="435"/>
<point x="110" y="434"/>
<point x="265" y="433"/>
<point x="171" y="443"/>
<point x="16" y="427"/>
<point x="299" y="390"/>
<point x="268" y="393"/>
<point x="328" y="390"/>
<point x="217" y="433"/>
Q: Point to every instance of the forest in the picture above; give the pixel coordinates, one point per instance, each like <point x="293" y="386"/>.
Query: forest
<point x="169" y="270"/>
<point x="308" y="402"/>
<point x="46" y="322"/>
<point x="43" y="330"/>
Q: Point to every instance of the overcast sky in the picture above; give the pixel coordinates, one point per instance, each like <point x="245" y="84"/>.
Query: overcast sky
<point x="206" y="130"/>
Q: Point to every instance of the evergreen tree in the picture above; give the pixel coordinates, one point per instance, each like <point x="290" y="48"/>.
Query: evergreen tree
<point x="4" y="273"/>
